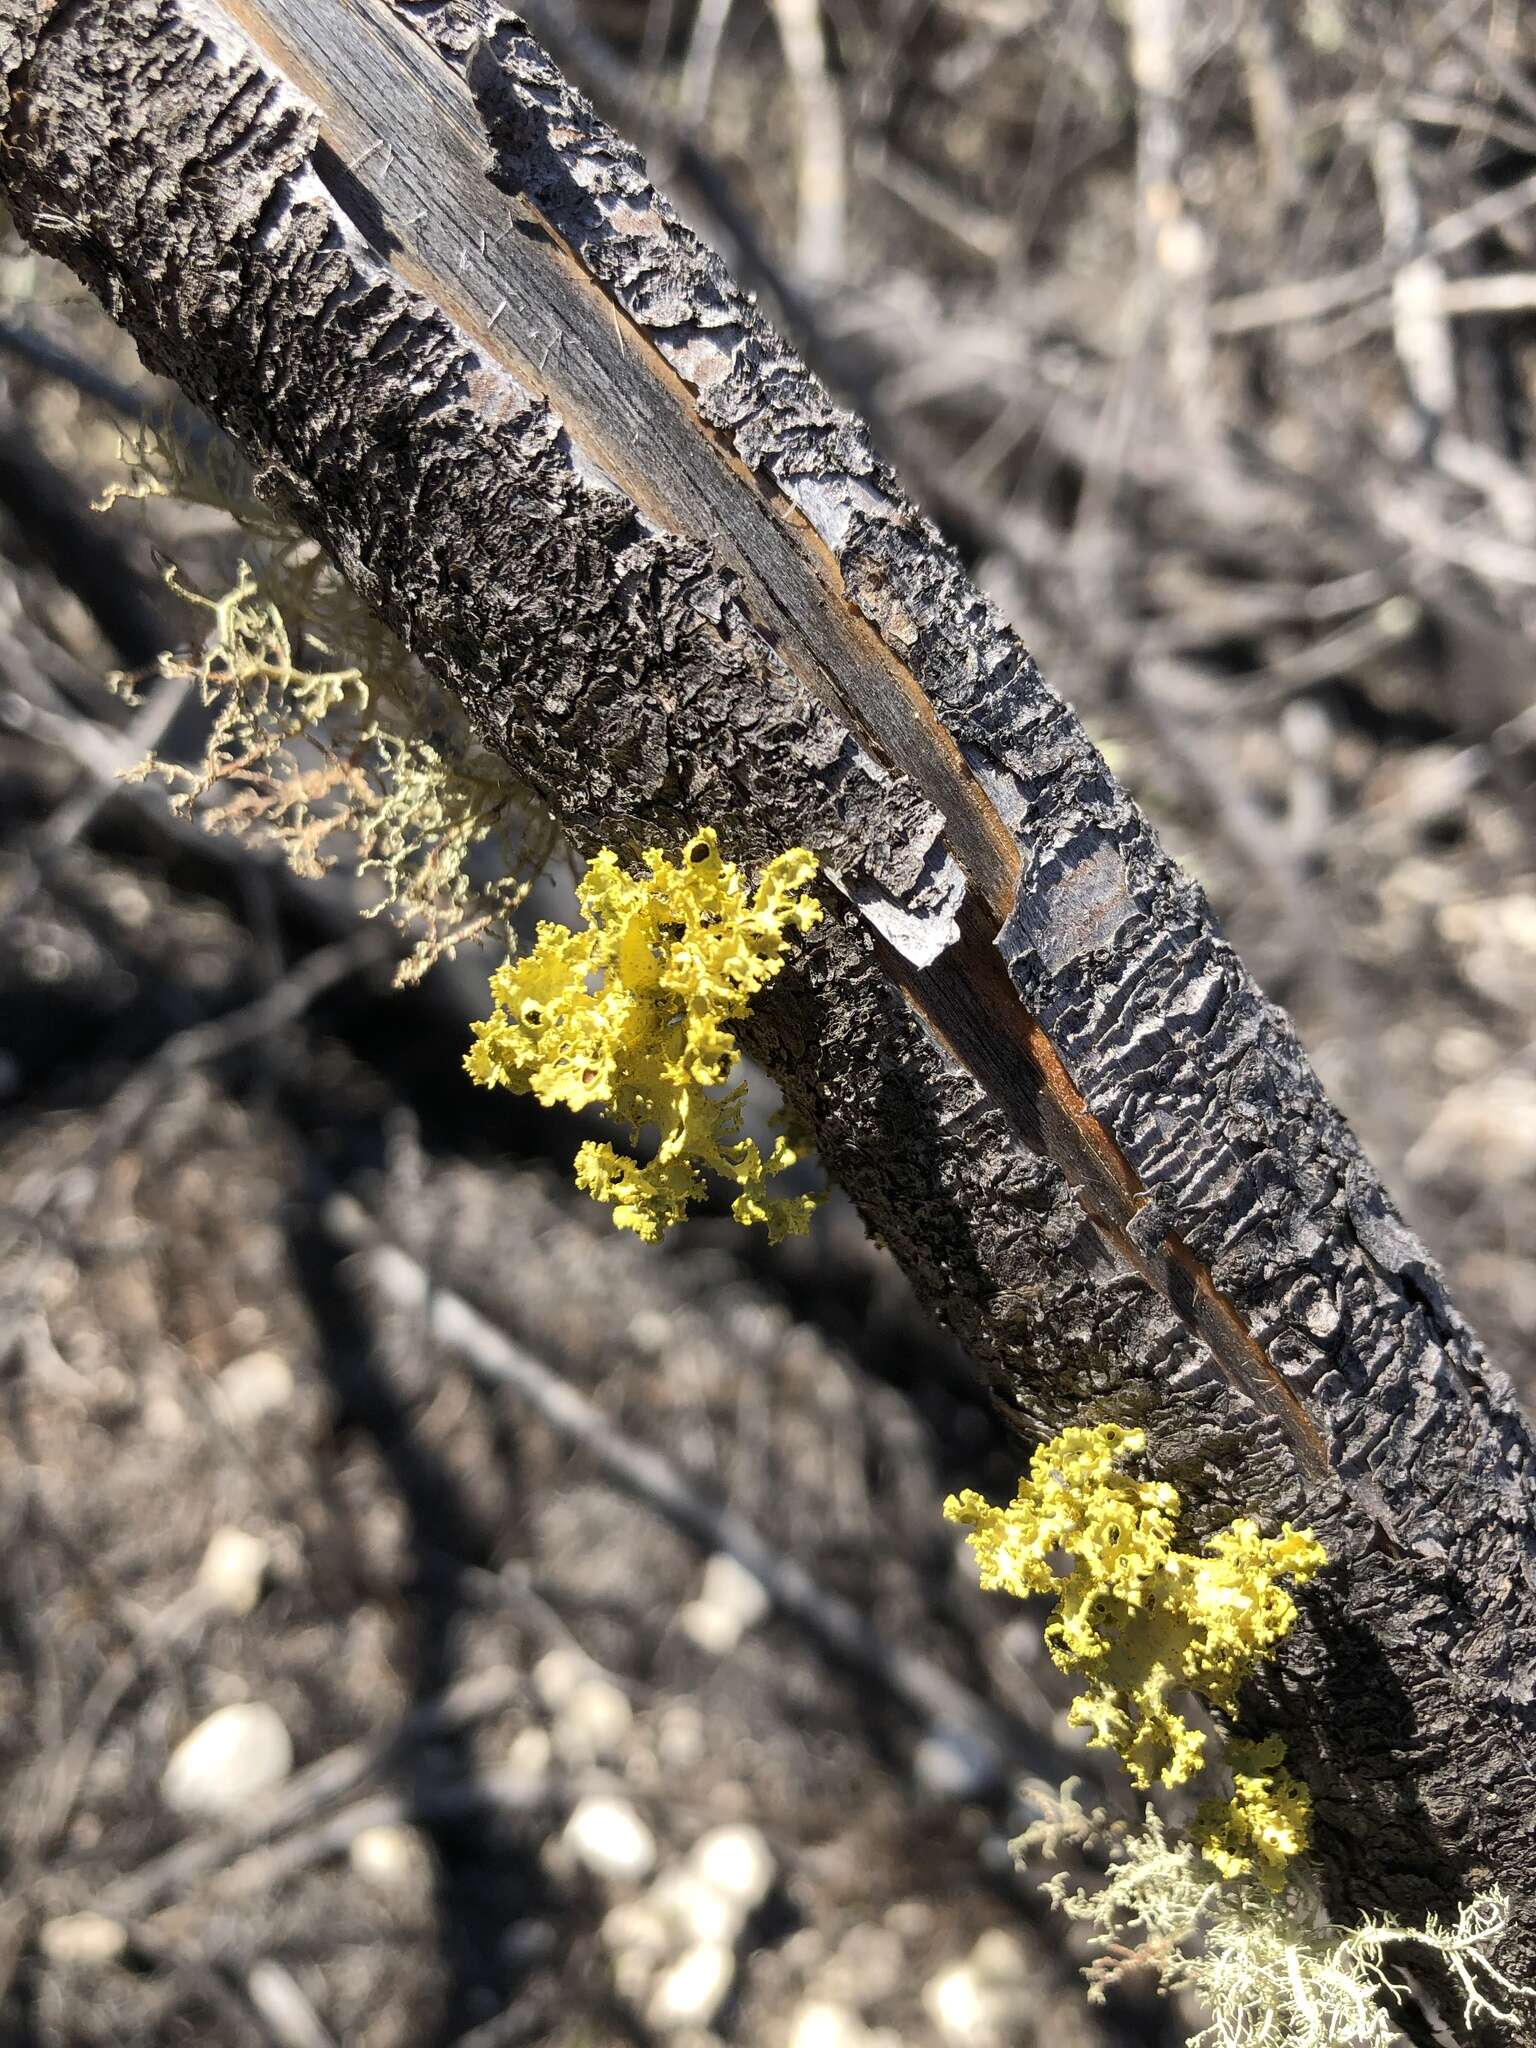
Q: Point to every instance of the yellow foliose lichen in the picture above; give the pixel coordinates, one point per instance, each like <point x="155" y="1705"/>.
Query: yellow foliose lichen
<point x="633" y="1015"/>
<point x="1136" y="1617"/>
<point x="1265" y="1825"/>
<point x="1232" y="1909"/>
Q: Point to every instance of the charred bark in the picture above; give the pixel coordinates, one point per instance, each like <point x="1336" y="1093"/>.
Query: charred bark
<point x="438" y="305"/>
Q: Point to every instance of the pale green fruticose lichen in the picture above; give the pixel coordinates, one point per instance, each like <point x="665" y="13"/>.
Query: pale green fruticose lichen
<point x="367" y="761"/>
<point x="1270" y="1968"/>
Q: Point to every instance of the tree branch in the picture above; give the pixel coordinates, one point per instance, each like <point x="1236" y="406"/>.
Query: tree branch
<point x="435" y="301"/>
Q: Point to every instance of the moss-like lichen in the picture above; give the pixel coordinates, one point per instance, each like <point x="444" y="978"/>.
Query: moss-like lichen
<point x="1270" y="1967"/>
<point x="366" y="761"/>
<point x="632" y="1015"/>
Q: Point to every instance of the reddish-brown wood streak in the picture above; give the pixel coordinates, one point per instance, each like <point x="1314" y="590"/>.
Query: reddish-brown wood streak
<point x="1079" y="1143"/>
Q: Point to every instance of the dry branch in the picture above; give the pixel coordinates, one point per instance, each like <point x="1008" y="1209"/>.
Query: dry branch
<point x="463" y="341"/>
<point x="949" y="1709"/>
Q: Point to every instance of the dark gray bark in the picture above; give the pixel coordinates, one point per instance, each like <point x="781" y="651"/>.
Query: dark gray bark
<point x="438" y="305"/>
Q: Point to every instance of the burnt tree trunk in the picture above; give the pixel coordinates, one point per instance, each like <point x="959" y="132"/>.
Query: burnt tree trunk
<point x="464" y="342"/>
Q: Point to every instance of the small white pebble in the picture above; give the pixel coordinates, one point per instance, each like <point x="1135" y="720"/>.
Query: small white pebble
<point x="253" y="1387"/>
<point x="730" y="1601"/>
<point x="248" y="1324"/>
<point x="236" y="1754"/>
<point x="636" y="1928"/>
<point x="593" y="1720"/>
<point x="633" y="1971"/>
<point x="869" y="1964"/>
<point x="607" y="1837"/>
<point x="530" y="1751"/>
<point x="999" y="1957"/>
<point x="951" y="1763"/>
<point x="953" y="2001"/>
<point x="164" y="1416"/>
<point x="650" y="1332"/>
<point x="695" y="1909"/>
<point x="911" y="1919"/>
<point x="82" y="1938"/>
<point x="280" y="2002"/>
<point x="824" y="2025"/>
<point x="715" y="1632"/>
<point x="393" y="1858"/>
<point x="680" y="1737"/>
<point x="803" y="1951"/>
<point x="557" y="1675"/>
<point x="130" y="904"/>
<point x="737" y="1861"/>
<point x="234" y="1570"/>
<point x="693" y="1990"/>
<point x="730" y="1585"/>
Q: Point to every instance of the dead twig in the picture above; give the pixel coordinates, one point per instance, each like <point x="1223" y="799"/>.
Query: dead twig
<point x="938" y="1701"/>
<point x="821" y="189"/>
<point x="1280" y="305"/>
<point x="309" y="1791"/>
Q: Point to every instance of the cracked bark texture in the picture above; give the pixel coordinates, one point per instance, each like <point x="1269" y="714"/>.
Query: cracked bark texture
<point x="464" y="342"/>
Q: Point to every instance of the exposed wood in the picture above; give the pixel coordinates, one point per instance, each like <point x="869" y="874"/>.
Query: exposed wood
<point x="393" y="251"/>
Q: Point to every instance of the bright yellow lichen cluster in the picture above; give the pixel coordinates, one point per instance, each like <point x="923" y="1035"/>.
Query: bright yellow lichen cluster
<point x="1140" y="1619"/>
<point x="632" y="1014"/>
<point x="1265" y="1825"/>
<point x="1137" y="1617"/>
